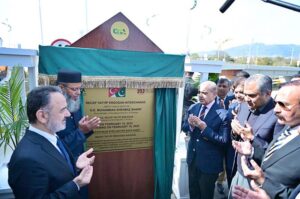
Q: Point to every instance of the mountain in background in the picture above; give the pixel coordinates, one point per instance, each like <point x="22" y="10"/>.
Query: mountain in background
<point x="263" y="50"/>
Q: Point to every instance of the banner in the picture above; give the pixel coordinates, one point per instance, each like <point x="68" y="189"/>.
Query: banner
<point x="103" y="68"/>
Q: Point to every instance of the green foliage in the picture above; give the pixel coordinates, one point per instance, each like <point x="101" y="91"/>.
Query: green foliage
<point x="213" y="77"/>
<point x="266" y="61"/>
<point x="194" y="56"/>
<point x="220" y="56"/>
<point x="13" y="118"/>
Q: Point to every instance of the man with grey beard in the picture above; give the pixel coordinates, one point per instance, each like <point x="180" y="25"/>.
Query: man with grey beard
<point x="78" y="127"/>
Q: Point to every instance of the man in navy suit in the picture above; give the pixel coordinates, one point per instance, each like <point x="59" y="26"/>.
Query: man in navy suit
<point x="209" y="130"/>
<point x="279" y="173"/>
<point x="224" y="96"/>
<point x="42" y="166"/>
<point x="78" y="127"/>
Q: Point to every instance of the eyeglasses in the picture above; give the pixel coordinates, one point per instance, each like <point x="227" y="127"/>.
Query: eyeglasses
<point x="285" y="106"/>
<point x="75" y="89"/>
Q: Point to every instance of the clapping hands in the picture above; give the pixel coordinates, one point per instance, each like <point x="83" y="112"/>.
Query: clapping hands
<point x="243" y="193"/>
<point x="86" y="124"/>
<point x="244" y="131"/>
<point x="255" y="173"/>
<point x="195" y="121"/>
<point x="85" y="163"/>
<point x="83" y="160"/>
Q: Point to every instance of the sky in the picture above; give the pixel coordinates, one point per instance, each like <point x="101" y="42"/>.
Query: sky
<point x="171" y="24"/>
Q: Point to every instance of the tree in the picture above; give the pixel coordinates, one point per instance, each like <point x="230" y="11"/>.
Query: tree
<point x="13" y="118"/>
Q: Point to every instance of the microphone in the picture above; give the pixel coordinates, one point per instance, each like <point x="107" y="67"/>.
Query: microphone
<point x="284" y="4"/>
<point x="226" y="5"/>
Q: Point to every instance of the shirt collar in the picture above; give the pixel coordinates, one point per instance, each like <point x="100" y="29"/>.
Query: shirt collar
<point x="208" y="106"/>
<point x="51" y="138"/>
<point x="260" y="109"/>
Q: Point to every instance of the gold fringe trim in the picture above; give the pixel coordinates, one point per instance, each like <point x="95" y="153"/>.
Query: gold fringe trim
<point x="119" y="82"/>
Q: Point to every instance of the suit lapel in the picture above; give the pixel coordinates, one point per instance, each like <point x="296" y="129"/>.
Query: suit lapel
<point x="265" y="114"/>
<point x="274" y="140"/>
<point x="262" y="118"/>
<point x="48" y="148"/>
<point x="291" y="146"/>
<point x="197" y="109"/>
<point x="211" y="113"/>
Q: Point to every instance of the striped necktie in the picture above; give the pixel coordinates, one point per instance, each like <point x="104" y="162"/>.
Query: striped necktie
<point x="277" y="144"/>
<point x="202" y="113"/>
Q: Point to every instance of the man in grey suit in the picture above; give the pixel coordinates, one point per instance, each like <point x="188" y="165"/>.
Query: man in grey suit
<point x="279" y="173"/>
<point x="209" y="129"/>
<point x="255" y="121"/>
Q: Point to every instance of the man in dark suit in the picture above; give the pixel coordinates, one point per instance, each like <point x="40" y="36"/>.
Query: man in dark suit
<point x="42" y="166"/>
<point x="209" y="130"/>
<point x="78" y="127"/>
<point x="280" y="169"/>
<point x="255" y="121"/>
<point x="259" y="193"/>
<point x="224" y="98"/>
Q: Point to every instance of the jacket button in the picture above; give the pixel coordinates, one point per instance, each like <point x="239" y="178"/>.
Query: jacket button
<point x="197" y="140"/>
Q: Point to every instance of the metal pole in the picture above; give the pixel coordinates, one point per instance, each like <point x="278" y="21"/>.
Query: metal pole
<point x="86" y="16"/>
<point x="41" y="23"/>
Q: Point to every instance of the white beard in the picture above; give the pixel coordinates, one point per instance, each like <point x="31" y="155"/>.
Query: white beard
<point x="55" y="126"/>
<point x="72" y="105"/>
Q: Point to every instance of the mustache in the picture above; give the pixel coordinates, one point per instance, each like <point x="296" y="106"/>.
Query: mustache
<point x="279" y="116"/>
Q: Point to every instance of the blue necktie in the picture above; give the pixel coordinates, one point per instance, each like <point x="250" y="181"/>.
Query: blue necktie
<point x="65" y="154"/>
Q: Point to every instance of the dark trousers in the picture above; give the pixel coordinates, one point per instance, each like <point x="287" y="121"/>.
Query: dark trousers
<point x="201" y="185"/>
<point x="230" y="163"/>
<point x="231" y="168"/>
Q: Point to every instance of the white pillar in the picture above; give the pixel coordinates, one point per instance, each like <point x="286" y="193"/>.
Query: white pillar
<point x="204" y="77"/>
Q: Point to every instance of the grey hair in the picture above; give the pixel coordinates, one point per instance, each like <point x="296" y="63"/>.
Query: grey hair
<point x="211" y="86"/>
<point x="263" y="82"/>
